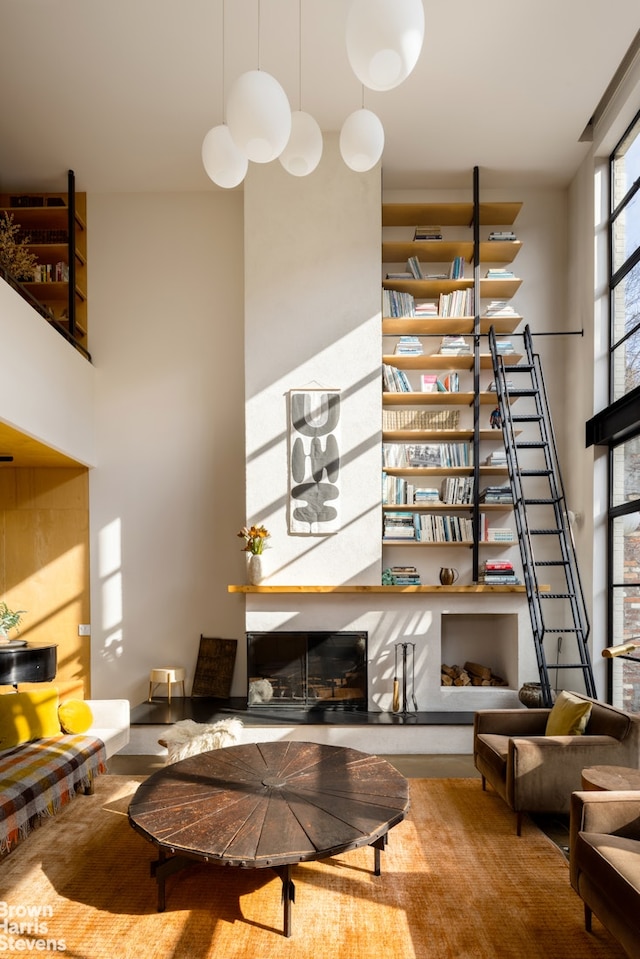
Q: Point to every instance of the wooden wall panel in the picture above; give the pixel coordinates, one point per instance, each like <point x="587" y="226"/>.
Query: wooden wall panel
<point x="44" y="538"/>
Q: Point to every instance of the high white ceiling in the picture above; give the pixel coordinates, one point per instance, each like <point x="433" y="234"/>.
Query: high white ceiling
<point x="123" y="91"/>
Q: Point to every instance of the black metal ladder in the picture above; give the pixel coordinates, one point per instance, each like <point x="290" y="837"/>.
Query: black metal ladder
<point x="558" y="613"/>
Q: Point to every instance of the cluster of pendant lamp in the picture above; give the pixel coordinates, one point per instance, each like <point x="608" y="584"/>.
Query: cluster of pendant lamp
<point x="384" y="39"/>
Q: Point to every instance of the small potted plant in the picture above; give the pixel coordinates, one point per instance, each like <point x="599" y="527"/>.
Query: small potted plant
<point x="9" y="619"/>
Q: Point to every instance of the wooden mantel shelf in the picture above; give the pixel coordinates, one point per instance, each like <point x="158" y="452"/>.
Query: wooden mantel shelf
<point x="378" y="589"/>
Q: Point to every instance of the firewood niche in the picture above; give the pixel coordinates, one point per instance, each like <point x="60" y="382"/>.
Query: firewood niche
<point x="471" y="674"/>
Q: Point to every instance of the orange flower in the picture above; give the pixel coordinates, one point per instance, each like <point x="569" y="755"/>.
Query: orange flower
<point x="254" y="537"/>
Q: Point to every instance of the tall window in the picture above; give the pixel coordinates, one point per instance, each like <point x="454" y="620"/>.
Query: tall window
<point x="623" y="436"/>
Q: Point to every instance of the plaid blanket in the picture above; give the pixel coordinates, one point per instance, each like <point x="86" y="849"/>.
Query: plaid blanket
<point x="38" y="778"/>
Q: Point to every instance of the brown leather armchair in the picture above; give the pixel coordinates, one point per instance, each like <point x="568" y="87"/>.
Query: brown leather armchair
<point x="604" y="862"/>
<point x="536" y="773"/>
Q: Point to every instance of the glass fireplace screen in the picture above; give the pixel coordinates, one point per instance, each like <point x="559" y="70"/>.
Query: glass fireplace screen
<point x="318" y="670"/>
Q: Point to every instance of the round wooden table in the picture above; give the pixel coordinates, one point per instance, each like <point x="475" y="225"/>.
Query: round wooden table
<point x="607" y="778"/>
<point x="268" y="805"/>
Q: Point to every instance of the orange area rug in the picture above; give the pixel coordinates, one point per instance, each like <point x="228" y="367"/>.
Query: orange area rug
<point x="456" y="883"/>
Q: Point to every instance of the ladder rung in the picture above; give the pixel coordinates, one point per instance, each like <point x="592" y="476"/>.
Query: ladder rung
<point x="541" y="502"/>
<point x="557" y="595"/>
<point x="545" y="532"/>
<point x="551" y="562"/>
<point x="535" y="472"/>
<point x="519" y="368"/>
<point x="526" y="418"/>
<point x="522" y="392"/>
<point x="568" y="666"/>
<point x="530" y="445"/>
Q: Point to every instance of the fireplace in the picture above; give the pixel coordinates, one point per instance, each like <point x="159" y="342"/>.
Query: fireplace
<point x="307" y="670"/>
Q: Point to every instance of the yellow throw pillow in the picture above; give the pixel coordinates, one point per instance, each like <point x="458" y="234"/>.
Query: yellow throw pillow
<point x="27" y="716"/>
<point x="75" y="716"/>
<point x="569" y="716"/>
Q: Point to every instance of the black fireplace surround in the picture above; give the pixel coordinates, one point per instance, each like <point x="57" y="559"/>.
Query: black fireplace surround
<point x="317" y="670"/>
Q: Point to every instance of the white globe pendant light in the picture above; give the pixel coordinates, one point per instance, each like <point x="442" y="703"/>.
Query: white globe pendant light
<point x="259" y="116"/>
<point x="384" y="40"/>
<point x="303" y="151"/>
<point x="224" y="163"/>
<point x="361" y="140"/>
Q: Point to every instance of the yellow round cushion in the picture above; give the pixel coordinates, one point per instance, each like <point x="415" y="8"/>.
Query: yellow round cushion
<point x="75" y="716"/>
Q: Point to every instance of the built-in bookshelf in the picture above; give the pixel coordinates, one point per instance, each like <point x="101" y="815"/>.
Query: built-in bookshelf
<point x="55" y="228"/>
<point x="448" y="277"/>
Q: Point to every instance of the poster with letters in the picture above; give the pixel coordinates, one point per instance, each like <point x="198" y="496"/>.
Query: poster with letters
<point x="314" y="461"/>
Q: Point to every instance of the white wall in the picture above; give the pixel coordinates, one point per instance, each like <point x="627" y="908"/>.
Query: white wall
<point x="167" y="493"/>
<point x="47" y="387"/>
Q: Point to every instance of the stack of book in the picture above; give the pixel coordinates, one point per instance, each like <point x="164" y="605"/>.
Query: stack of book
<point x="496" y="494"/>
<point x="504" y="346"/>
<point x="502" y="235"/>
<point x="409" y="346"/>
<point x="454" y="346"/>
<point x="497" y="458"/>
<point x="498" y="573"/>
<point x="426" y="308"/>
<point x="425" y="494"/>
<point x="428" y="233"/>
<point x="493" y="388"/>
<point x="500" y="273"/>
<point x="398" y="525"/>
<point x="500" y="308"/>
<point x="401" y="576"/>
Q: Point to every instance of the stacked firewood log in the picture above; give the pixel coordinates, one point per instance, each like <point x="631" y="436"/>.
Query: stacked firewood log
<point x="471" y="674"/>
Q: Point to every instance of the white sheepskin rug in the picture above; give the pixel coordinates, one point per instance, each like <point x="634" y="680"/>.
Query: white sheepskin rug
<point x="187" y="738"/>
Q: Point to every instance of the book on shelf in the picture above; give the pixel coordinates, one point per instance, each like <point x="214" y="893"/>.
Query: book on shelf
<point x="425" y="308"/>
<point x="396" y="303"/>
<point x="497" y="534"/>
<point x="420" y="455"/>
<point x="456" y="270"/>
<point x="499" y="308"/>
<point x="493" y="388"/>
<point x="394" y="380"/>
<point x="502" y="235"/>
<point x="496" y="494"/>
<point x="424" y="494"/>
<point x="504" y="346"/>
<point x="400" y="576"/>
<point x="436" y="528"/>
<point x="400" y="275"/>
<point x="429" y="383"/>
<point x="457" y="490"/>
<point x="456" y="303"/>
<point x="415" y="270"/>
<point x="497" y="458"/>
<point x="427" y="233"/>
<point x="449" y="383"/>
<point x="500" y="273"/>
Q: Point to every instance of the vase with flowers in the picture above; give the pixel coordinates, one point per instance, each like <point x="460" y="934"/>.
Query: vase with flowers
<point x="255" y="542"/>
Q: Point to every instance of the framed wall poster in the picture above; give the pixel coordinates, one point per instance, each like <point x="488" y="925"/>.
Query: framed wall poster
<point x="314" y="461"/>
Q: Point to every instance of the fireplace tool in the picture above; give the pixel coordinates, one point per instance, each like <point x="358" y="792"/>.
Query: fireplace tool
<point x="405" y="678"/>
